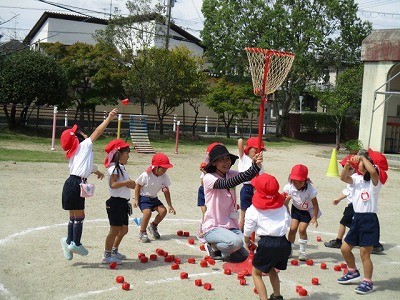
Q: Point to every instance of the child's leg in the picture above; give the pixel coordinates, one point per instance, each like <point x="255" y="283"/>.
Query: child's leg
<point x="348" y="255"/>
<point x="259" y="283"/>
<point x="162" y="212"/>
<point x="365" y="253"/>
<point x="274" y="279"/>
<point x="145" y="219"/>
<point x="293" y="229"/>
<point x="123" y="230"/>
<point x="341" y="232"/>
<point x="78" y="226"/>
<point x="110" y="239"/>
<point x="241" y="219"/>
<point x="303" y="231"/>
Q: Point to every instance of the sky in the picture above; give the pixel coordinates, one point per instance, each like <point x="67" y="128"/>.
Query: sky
<point x="17" y="17"/>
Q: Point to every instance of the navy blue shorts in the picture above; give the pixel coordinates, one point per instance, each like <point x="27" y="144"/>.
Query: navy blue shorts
<point x="364" y="230"/>
<point x="300" y="215"/>
<point x="272" y="252"/>
<point x="246" y="194"/>
<point x="347" y="216"/>
<point x="201" y="201"/>
<point x="71" y="194"/>
<point x="117" y="211"/>
<point x="149" y="203"/>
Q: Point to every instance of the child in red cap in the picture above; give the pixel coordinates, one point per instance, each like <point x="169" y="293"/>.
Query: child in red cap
<point x="245" y="160"/>
<point x="305" y="208"/>
<point x="118" y="206"/>
<point x="364" y="230"/>
<point x="79" y="149"/>
<point x="269" y="218"/>
<point x="148" y="185"/>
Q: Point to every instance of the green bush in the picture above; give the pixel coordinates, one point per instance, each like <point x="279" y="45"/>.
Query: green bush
<point x="353" y="145"/>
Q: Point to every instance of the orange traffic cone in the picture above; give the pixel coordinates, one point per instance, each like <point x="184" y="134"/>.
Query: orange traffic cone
<point x="333" y="170"/>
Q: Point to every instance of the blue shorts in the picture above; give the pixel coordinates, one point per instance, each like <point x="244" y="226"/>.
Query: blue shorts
<point x="364" y="230"/>
<point x="302" y="216"/>
<point x="71" y="194"/>
<point x="149" y="203"/>
<point x="272" y="252"/>
<point x="246" y="194"/>
<point x="201" y="201"/>
<point x="347" y="216"/>
<point x="117" y="211"/>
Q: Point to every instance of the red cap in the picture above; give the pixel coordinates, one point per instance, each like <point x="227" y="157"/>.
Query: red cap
<point x="159" y="160"/>
<point x="299" y="172"/>
<point x="253" y="143"/>
<point x="209" y="148"/>
<point x="111" y="148"/>
<point x="380" y="161"/>
<point x="69" y="142"/>
<point x="125" y="102"/>
<point x="266" y="195"/>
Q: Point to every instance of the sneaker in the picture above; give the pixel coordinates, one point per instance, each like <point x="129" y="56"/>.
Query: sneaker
<point x="214" y="254"/>
<point x="272" y="297"/>
<point x="377" y="249"/>
<point x="302" y="256"/>
<point x="78" y="249"/>
<point x="154" y="232"/>
<point x="110" y="259"/>
<point x="67" y="254"/>
<point x="333" y="244"/>
<point x="349" y="277"/>
<point x="118" y="255"/>
<point x="237" y="257"/>
<point x="364" y="287"/>
<point x="143" y="237"/>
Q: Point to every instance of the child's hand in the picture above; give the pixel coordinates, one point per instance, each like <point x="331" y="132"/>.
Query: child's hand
<point x="314" y="221"/>
<point x="113" y="113"/>
<point x="130" y="184"/>
<point x="135" y="203"/>
<point x="336" y="201"/>
<point x="251" y="246"/>
<point x="99" y="175"/>
<point x="171" y="210"/>
<point x="258" y="159"/>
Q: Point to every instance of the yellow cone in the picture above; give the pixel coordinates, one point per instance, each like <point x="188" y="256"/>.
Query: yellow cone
<point x="333" y="170"/>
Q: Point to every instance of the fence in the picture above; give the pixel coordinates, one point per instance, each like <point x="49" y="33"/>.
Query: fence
<point x="43" y="117"/>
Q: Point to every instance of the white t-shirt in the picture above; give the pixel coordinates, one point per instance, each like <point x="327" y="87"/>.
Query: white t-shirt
<point x="152" y="184"/>
<point x="365" y="196"/>
<point x="244" y="163"/>
<point x="301" y="199"/>
<point x="122" y="192"/>
<point x="271" y="222"/>
<point x="81" y="163"/>
<point x="348" y="192"/>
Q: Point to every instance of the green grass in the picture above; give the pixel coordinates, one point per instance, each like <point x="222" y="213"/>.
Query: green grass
<point x="19" y="145"/>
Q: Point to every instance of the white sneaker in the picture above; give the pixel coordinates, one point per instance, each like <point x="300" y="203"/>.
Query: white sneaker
<point x="78" y="249"/>
<point x="302" y="256"/>
<point x="118" y="255"/>
<point x="67" y="254"/>
<point x="143" y="237"/>
<point x="110" y="259"/>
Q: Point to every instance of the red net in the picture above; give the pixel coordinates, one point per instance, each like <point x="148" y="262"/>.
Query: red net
<point x="268" y="68"/>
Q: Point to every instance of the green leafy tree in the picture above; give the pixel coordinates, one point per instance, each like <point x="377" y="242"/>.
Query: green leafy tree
<point x="345" y="99"/>
<point x="229" y="101"/>
<point x="171" y="78"/>
<point x="94" y="74"/>
<point x="29" y="79"/>
<point x="321" y="33"/>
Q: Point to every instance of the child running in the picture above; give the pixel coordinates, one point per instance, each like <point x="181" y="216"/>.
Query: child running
<point x="245" y="161"/>
<point x="118" y="206"/>
<point x="305" y="208"/>
<point x="148" y="185"/>
<point x="79" y="149"/>
<point x="269" y="218"/>
<point x="364" y="230"/>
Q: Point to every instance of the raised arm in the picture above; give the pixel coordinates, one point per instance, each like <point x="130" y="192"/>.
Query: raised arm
<point x="100" y="129"/>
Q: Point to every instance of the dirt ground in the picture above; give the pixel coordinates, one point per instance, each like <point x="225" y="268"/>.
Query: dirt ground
<point x="32" y="265"/>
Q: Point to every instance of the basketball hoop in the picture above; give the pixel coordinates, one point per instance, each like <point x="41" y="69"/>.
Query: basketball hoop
<point x="268" y="69"/>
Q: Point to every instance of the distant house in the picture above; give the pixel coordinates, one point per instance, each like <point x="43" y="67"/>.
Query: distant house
<point x="69" y="29"/>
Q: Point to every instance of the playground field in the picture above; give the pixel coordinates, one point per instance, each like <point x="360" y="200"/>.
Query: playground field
<point x="33" y="265"/>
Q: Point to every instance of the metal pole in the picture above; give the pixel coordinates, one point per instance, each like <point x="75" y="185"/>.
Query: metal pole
<point x="177" y="136"/>
<point x="119" y="125"/>
<point x="170" y="3"/>
<point x="53" y="137"/>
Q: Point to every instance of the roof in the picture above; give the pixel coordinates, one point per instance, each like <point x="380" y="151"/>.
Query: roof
<point x="11" y="46"/>
<point x="381" y="45"/>
<point x="46" y="15"/>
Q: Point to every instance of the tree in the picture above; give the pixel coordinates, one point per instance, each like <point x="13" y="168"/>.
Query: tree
<point x="94" y="74"/>
<point x="321" y="33"/>
<point x="345" y="99"/>
<point x="29" y="79"/>
<point x="171" y="77"/>
<point x="229" y="101"/>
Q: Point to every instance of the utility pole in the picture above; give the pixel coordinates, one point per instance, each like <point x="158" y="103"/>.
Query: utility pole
<point x="170" y="4"/>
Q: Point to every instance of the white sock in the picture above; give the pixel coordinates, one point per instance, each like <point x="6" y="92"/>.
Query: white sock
<point x="303" y="245"/>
